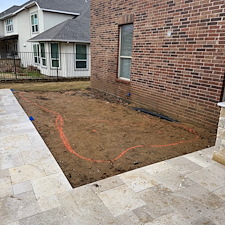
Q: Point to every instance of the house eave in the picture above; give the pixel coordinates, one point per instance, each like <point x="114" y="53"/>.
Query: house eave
<point x="27" y="6"/>
<point x="61" y="12"/>
<point x="21" y="9"/>
<point x="59" y="40"/>
<point x="7" y="16"/>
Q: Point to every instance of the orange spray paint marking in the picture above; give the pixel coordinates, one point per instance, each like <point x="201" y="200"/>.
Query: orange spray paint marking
<point x="59" y="123"/>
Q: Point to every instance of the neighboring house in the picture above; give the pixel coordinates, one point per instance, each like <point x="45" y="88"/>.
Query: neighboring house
<point x="166" y="56"/>
<point x="50" y="35"/>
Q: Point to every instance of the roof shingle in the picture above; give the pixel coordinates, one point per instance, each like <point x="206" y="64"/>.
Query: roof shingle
<point x="69" y="6"/>
<point x="71" y="30"/>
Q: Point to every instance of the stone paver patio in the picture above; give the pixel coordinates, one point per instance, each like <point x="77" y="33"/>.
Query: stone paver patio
<point x="34" y="191"/>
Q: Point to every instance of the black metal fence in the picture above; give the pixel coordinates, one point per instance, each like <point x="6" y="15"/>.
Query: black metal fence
<point x="30" y="65"/>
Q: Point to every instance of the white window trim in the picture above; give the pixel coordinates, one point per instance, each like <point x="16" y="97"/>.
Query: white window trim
<point x="87" y="60"/>
<point x="122" y="57"/>
<point x="59" y="67"/>
<point x="33" y="25"/>
<point x="9" y="26"/>
<point x="45" y="58"/>
<point x="38" y="56"/>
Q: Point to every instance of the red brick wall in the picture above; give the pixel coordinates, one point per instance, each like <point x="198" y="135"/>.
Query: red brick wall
<point x="182" y="75"/>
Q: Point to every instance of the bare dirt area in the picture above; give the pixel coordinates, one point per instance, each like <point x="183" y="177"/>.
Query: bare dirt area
<point x="94" y="136"/>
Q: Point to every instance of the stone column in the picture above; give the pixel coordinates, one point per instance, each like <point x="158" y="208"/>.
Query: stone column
<point x="219" y="154"/>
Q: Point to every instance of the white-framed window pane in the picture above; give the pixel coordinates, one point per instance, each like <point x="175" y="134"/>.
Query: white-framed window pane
<point x="81" y="64"/>
<point x="34" y="23"/>
<point x="9" y="25"/>
<point x="125" y="68"/>
<point x="55" y="63"/>
<point x="81" y="56"/>
<point x="32" y="20"/>
<point x="54" y="50"/>
<point x="35" y="19"/>
<point x="36" y="53"/>
<point x="43" y="54"/>
<point x="43" y="50"/>
<point x="55" y="55"/>
<point x="126" y="40"/>
<point x="81" y="51"/>
<point x="44" y="62"/>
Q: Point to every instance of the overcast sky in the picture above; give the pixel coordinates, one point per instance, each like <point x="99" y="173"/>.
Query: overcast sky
<point x="5" y="4"/>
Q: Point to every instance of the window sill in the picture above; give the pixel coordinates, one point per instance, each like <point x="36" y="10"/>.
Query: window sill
<point x="80" y="69"/>
<point x="122" y="81"/>
<point x="55" y="68"/>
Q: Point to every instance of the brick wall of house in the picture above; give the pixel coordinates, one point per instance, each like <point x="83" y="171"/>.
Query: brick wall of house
<point x="181" y="75"/>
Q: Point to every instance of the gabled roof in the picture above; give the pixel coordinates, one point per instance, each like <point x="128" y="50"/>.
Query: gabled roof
<point x="73" y="7"/>
<point x="71" y="30"/>
<point x="9" y="11"/>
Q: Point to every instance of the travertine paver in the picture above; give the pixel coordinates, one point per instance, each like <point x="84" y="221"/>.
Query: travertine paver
<point x="183" y="165"/>
<point x="26" y="173"/>
<point x="106" y="184"/>
<point x="171" y="179"/>
<point x="85" y="203"/>
<point x="138" y="180"/>
<point x="220" y="193"/>
<point x="172" y="218"/>
<point x="53" y="216"/>
<point x="50" y="185"/>
<point x="33" y="190"/>
<point x="16" y="207"/>
<point x="10" y="157"/>
<point x="199" y="158"/>
<point x="207" y="179"/>
<point x="22" y="187"/>
<point x="5" y="187"/>
<point x="120" y="200"/>
<point x="156" y="201"/>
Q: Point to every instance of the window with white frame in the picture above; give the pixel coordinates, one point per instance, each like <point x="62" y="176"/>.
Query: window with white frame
<point x="125" y="53"/>
<point x="9" y="25"/>
<point x="43" y="54"/>
<point x="55" y="55"/>
<point x="36" y="53"/>
<point x="81" y="57"/>
<point x="34" y="23"/>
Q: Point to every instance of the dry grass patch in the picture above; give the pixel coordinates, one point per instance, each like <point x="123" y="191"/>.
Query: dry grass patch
<point x="46" y="86"/>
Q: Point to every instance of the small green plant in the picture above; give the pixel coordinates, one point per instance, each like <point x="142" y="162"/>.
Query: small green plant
<point x="30" y="71"/>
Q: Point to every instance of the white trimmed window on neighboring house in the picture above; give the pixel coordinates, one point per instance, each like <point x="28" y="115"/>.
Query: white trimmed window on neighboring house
<point x="81" y="58"/>
<point x="9" y="25"/>
<point x="43" y="55"/>
<point x="36" y="53"/>
<point x="55" y="55"/>
<point x="125" y="53"/>
<point x="34" y="23"/>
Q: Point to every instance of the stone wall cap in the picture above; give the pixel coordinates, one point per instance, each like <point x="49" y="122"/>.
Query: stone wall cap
<point x="221" y="104"/>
